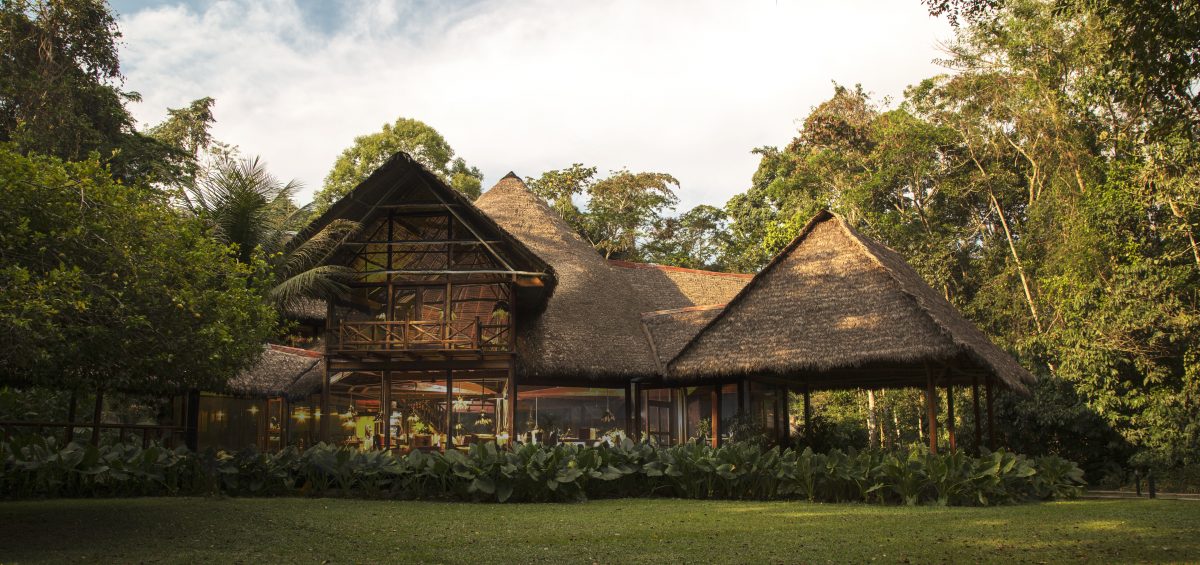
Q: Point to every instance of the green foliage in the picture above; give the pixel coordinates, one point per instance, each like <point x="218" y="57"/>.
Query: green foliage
<point x="414" y="137"/>
<point x="1045" y="190"/>
<point x="60" y="91"/>
<point x="623" y="209"/>
<point x="36" y="467"/>
<point x="250" y="210"/>
<point x="107" y="286"/>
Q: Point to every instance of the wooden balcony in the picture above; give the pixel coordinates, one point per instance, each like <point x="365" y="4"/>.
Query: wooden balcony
<point x="421" y="336"/>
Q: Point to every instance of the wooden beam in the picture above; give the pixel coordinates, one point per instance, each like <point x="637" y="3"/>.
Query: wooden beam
<point x="784" y="423"/>
<point x="446" y="445"/>
<point x="71" y="406"/>
<point x="931" y="412"/>
<point x="511" y="426"/>
<point x="807" y="415"/>
<point x="950" y="418"/>
<point x="323" y="420"/>
<point x="991" y="414"/>
<point x="715" y="410"/>
<point x="385" y="407"/>
<point x="978" y="423"/>
<point x="97" y="412"/>
<point x="630" y="418"/>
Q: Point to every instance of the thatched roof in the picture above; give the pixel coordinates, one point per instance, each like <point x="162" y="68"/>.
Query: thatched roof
<point x="306" y="309"/>
<point x="661" y="287"/>
<point x="401" y="180"/>
<point x="670" y="330"/>
<point x="590" y="326"/>
<point x="834" y="300"/>
<point x="278" y="372"/>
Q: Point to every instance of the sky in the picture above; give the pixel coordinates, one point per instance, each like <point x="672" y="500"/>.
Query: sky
<point x="682" y="87"/>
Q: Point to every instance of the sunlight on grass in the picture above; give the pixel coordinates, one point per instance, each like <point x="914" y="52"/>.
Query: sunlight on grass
<point x="192" y="530"/>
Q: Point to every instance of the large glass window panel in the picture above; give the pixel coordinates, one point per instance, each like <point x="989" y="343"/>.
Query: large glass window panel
<point x="657" y="411"/>
<point x="700" y="412"/>
<point x="729" y="409"/>
<point x="764" y="408"/>
<point x="578" y="415"/>
<point x="231" y="424"/>
<point x="479" y="411"/>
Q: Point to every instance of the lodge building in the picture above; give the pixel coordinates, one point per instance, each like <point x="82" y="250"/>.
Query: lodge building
<point x="493" y="320"/>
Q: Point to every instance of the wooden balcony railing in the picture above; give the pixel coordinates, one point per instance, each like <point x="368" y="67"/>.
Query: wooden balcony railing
<point x="422" y="335"/>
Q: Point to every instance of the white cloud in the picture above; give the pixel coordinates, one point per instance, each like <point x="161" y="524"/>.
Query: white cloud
<point x="681" y="87"/>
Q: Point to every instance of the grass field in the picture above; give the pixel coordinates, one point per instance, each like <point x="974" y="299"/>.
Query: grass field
<point x="189" y="530"/>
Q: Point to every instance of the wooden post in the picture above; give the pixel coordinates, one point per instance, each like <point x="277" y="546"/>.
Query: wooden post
<point x="950" y="418"/>
<point x="931" y="411"/>
<point x="975" y="405"/>
<point x="449" y="410"/>
<point x="191" y="422"/>
<point x="71" y="406"/>
<point x="637" y="412"/>
<point x="630" y="426"/>
<point x="385" y="407"/>
<point x="991" y="414"/>
<point x="323" y="419"/>
<point x="511" y="426"/>
<point x="96" y="415"/>
<point x="743" y="398"/>
<point x="715" y="416"/>
<point x="783" y="423"/>
<point x="807" y="416"/>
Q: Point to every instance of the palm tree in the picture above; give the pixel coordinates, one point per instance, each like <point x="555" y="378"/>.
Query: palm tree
<point x="251" y="210"/>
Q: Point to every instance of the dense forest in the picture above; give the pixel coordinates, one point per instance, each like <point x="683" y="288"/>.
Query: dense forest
<point x="1048" y="183"/>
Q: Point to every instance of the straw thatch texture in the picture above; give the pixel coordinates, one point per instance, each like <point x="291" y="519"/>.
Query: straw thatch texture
<point x="590" y="326"/>
<point x="660" y="287"/>
<point x="305" y="309"/>
<point x="832" y="300"/>
<point x="670" y="330"/>
<point x="276" y="371"/>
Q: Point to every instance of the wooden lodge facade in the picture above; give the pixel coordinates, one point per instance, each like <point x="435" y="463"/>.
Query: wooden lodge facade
<point x="493" y="321"/>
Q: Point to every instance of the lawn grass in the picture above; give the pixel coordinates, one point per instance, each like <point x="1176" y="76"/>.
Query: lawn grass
<point x="245" y="530"/>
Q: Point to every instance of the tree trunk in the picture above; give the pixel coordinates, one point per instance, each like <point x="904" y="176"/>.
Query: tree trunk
<point x="1017" y="260"/>
<point x="872" y="421"/>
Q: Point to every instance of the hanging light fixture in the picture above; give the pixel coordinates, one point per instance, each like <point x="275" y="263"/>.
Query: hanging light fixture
<point x="608" y="416"/>
<point x="460" y="405"/>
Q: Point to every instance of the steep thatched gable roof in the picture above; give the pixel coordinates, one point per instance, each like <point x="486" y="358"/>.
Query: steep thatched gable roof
<point x="834" y="300"/>
<point x="661" y="287"/>
<point x="402" y="180"/>
<point x="277" y="372"/>
<point x="590" y="326"/>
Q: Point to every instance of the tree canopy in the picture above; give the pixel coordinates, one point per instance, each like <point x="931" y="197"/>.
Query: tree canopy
<point x="414" y="137"/>
<point x="104" y="285"/>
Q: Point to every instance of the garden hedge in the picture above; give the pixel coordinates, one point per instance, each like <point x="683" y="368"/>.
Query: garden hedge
<point x="36" y="467"/>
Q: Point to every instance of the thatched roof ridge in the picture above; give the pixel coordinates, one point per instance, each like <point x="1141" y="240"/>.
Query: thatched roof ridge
<point x="276" y="371"/>
<point x="670" y="330"/>
<point x="661" y="287"/>
<point x="590" y="325"/>
<point x="831" y="300"/>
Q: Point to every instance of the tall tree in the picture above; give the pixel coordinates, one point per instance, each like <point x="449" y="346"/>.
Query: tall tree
<point x="621" y="209"/>
<point x="108" y="286"/>
<point x="414" y="137"/>
<point x="60" y="89"/>
<point x="694" y="239"/>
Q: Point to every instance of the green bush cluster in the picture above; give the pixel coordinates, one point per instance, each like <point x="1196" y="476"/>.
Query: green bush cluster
<point x="40" y="467"/>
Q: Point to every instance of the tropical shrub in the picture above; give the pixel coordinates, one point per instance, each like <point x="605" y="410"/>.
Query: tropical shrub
<point x="40" y="467"/>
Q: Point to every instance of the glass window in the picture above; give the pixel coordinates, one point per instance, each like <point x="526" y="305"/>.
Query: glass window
<point x="570" y="414"/>
<point x="764" y="408"/>
<point x="657" y="408"/>
<point x="701" y="412"/>
<point x="729" y="409"/>
<point x="231" y="423"/>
